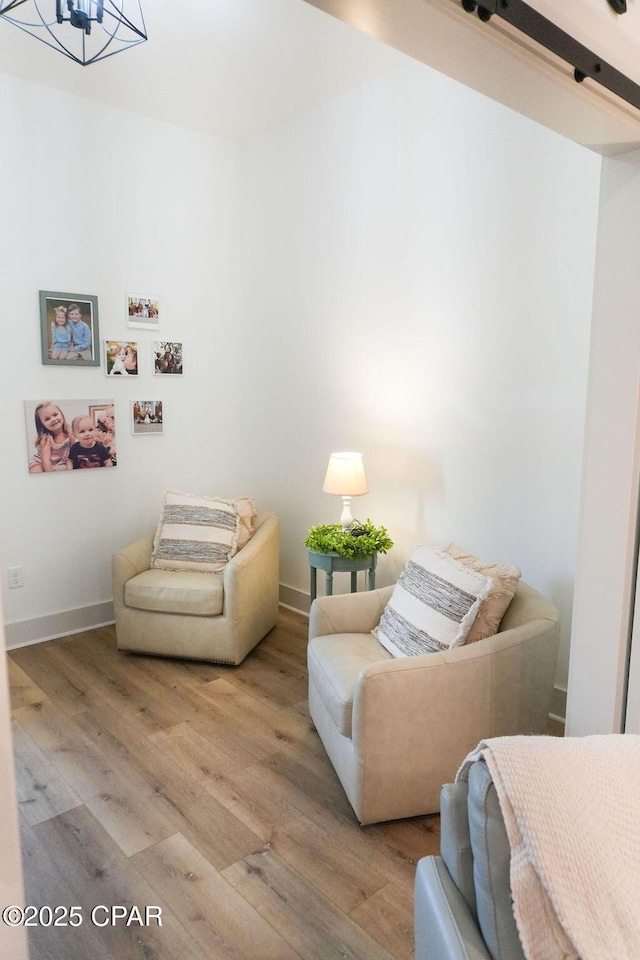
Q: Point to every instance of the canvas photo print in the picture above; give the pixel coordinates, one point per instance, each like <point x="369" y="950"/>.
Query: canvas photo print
<point x="146" y="417"/>
<point x="143" y="312"/>
<point x="65" y="435"/>
<point x="167" y="357"/>
<point x="69" y="329"/>
<point x="121" y="358"/>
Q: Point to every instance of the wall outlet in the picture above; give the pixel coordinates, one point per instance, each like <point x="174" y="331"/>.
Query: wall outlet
<point x="16" y="578"/>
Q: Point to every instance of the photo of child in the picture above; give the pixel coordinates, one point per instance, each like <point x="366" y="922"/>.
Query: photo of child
<point x="60" y="334"/>
<point x="81" y="340"/>
<point x="121" y="358"/>
<point x="87" y="452"/>
<point x="70" y="435"/>
<point x="69" y="325"/>
<point x="52" y="441"/>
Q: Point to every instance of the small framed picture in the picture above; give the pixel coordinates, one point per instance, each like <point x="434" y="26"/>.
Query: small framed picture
<point x="121" y="358"/>
<point x="167" y="357"/>
<point x="67" y="435"/>
<point x="69" y="329"/>
<point x="143" y="312"/>
<point x="146" y="417"/>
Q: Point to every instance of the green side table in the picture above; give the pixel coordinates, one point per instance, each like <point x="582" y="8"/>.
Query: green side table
<point x="333" y="563"/>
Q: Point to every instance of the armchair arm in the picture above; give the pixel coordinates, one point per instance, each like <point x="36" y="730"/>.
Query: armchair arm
<point x="251" y="578"/>
<point x="128" y="563"/>
<point x="537" y="629"/>
<point x="436" y="686"/>
<point x="425" y="714"/>
<point x="348" y="612"/>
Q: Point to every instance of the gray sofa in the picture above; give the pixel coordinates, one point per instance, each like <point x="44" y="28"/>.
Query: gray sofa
<point x="463" y="897"/>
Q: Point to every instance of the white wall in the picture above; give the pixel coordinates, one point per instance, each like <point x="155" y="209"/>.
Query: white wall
<point x="416" y="264"/>
<point x="99" y="201"/>
<point x="421" y="284"/>
<point x="604" y="584"/>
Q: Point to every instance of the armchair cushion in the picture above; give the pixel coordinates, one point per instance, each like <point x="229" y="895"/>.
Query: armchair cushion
<point x="337" y="661"/>
<point x="198" y="534"/>
<point x="433" y="605"/>
<point x="198" y="594"/>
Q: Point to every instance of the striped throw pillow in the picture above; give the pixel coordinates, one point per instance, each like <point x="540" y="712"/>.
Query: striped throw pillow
<point x="433" y="605"/>
<point x="195" y="533"/>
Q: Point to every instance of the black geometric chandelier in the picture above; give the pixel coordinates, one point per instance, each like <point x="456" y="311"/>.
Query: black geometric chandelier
<point x="84" y="30"/>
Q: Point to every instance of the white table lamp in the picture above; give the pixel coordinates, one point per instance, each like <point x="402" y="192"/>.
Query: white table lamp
<point x="345" y="478"/>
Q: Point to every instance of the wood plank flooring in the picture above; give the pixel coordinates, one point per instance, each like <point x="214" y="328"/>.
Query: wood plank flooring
<point x="204" y="790"/>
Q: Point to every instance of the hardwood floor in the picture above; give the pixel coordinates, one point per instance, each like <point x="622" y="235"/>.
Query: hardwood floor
<point x="204" y="790"/>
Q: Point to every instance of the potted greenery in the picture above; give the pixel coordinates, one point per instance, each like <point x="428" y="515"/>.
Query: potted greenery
<point x="360" y="540"/>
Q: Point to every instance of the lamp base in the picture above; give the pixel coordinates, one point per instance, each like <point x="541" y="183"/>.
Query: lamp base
<point x="346" y="519"/>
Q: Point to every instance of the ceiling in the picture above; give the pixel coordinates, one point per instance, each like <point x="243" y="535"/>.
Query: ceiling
<point x="499" y="61"/>
<point x="235" y="68"/>
<point x="231" y="68"/>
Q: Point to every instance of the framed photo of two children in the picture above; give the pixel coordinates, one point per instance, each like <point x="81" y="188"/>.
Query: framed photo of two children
<point x="69" y="329"/>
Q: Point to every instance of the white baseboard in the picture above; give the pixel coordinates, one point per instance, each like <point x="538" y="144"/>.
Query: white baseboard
<point x="294" y="599"/>
<point x="301" y="613"/>
<point x="21" y="633"/>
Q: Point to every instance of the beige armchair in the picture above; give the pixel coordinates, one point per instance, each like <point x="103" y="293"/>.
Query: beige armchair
<point x="199" y="616"/>
<point x="396" y="730"/>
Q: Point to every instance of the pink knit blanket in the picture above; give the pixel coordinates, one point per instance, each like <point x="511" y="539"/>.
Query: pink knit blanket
<point x="572" y="812"/>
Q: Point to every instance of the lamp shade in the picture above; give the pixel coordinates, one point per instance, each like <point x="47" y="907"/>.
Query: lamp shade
<point x="345" y="475"/>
